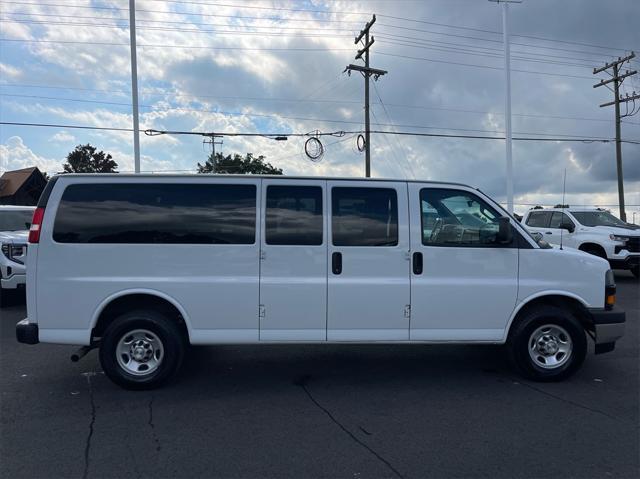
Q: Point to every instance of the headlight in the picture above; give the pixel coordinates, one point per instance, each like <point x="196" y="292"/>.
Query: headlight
<point x="624" y="239"/>
<point x="12" y="252"/>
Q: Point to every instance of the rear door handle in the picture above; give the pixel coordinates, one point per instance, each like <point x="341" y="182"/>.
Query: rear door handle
<point x="336" y="263"/>
<point x="417" y="263"/>
<point x="549" y="233"/>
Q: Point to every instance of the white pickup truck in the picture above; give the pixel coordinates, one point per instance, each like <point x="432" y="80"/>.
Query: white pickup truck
<point x="593" y="230"/>
<point x="14" y="226"/>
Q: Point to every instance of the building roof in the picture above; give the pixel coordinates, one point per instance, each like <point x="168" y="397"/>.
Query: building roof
<point x="11" y="181"/>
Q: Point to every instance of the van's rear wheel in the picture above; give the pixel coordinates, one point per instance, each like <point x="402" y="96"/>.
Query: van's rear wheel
<point x="547" y="344"/>
<point x="141" y="350"/>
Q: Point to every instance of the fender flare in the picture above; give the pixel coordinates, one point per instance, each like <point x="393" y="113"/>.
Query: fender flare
<point x="150" y="292"/>
<point x="539" y="294"/>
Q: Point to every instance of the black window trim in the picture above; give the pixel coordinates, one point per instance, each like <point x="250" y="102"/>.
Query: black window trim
<point x="516" y="243"/>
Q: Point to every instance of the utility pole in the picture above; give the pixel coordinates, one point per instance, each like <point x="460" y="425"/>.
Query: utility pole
<point x="134" y="85"/>
<point x="617" y="80"/>
<point x="507" y="99"/>
<point x="366" y="71"/>
<point x="213" y="144"/>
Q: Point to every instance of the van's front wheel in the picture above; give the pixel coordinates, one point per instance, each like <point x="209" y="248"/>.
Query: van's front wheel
<point x="547" y="344"/>
<point x="141" y="350"/>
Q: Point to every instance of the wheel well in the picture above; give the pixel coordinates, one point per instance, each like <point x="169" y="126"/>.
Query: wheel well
<point x="131" y="302"/>
<point x="588" y="247"/>
<point x="573" y="305"/>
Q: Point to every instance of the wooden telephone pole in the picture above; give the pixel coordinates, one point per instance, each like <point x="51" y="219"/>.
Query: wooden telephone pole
<point x="366" y="71"/>
<point x="617" y="79"/>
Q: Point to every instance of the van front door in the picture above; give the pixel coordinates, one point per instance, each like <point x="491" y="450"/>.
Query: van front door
<point x="368" y="295"/>
<point x="464" y="283"/>
<point x="293" y="269"/>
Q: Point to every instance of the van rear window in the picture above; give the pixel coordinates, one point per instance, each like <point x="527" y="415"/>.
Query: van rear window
<point x="136" y="213"/>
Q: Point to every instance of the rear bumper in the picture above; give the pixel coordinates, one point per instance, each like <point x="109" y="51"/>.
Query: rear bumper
<point x="27" y="332"/>
<point x="608" y="327"/>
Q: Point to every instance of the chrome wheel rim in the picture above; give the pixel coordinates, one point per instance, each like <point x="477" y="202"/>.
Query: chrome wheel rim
<point x="550" y="346"/>
<point x="140" y="352"/>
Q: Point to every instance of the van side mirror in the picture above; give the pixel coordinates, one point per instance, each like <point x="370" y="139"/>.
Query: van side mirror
<point x="505" y="235"/>
<point x="568" y="226"/>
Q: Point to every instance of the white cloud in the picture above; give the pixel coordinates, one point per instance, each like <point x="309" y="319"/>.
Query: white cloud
<point x="9" y="71"/>
<point x="16" y="155"/>
<point x="63" y="137"/>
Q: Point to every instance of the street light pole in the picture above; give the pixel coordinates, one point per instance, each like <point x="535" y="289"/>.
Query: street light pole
<point x="134" y="85"/>
<point x="507" y="99"/>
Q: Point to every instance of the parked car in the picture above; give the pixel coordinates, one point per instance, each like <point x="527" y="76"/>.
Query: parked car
<point x="141" y="266"/>
<point x="592" y="230"/>
<point x="14" y="225"/>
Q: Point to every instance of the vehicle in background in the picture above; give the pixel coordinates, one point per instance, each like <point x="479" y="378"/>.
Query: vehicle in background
<point x="14" y="225"/>
<point x="592" y="230"/>
<point x="142" y="265"/>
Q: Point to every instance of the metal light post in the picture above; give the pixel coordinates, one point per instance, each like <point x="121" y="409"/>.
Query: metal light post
<point x="134" y="85"/>
<point x="507" y="99"/>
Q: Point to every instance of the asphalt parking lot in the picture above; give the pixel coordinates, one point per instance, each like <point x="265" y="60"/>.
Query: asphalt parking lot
<point x="321" y="411"/>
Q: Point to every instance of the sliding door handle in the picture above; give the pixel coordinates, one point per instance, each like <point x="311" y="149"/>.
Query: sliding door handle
<point x="417" y="263"/>
<point x="336" y="263"/>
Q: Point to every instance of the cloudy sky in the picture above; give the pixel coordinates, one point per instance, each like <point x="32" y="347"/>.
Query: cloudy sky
<point x="276" y="66"/>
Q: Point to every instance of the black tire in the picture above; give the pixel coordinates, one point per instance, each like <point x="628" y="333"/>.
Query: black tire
<point x="636" y="271"/>
<point x="3" y="297"/>
<point x="520" y="340"/>
<point x="167" y="335"/>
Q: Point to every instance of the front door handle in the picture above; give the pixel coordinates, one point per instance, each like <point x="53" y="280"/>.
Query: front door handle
<point x="417" y="263"/>
<point x="336" y="262"/>
<point x="549" y="233"/>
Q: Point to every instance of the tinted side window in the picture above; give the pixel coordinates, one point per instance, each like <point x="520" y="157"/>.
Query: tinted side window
<point x="558" y="218"/>
<point x="156" y="213"/>
<point x="539" y="219"/>
<point x="294" y="215"/>
<point x="456" y="218"/>
<point x="364" y="216"/>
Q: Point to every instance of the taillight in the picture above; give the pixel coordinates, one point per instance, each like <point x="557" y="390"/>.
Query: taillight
<point x="36" y="224"/>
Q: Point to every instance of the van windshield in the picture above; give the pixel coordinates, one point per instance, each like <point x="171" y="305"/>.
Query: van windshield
<point x="15" y="220"/>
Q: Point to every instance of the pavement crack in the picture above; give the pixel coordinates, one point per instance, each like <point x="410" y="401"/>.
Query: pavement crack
<point x="572" y="403"/>
<point x="152" y="425"/>
<point x="302" y="383"/>
<point x="87" y="446"/>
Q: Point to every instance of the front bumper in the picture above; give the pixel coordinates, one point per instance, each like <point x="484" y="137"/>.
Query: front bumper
<point x="608" y="327"/>
<point x="628" y="262"/>
<point x="27" y="332"/>
<point x="14" y="281"/>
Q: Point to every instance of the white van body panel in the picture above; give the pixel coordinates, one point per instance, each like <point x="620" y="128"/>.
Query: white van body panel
<point x="367" y="301"/>
<point x="287" y="272"/>
<point x="463" y="294"/>
<point x="209" y="281"/>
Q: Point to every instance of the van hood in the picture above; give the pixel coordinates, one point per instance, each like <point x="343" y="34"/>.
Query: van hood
<point x="14" y="236"/>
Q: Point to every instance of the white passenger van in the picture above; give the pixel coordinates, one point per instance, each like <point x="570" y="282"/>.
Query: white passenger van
<point x="141" y="266"/>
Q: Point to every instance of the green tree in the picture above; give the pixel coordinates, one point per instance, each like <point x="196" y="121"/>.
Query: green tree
<point x="239" y="165"/>
<point x="86" y="159"/>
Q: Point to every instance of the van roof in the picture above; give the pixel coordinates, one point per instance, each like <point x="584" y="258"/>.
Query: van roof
<point x="281" y="177"/>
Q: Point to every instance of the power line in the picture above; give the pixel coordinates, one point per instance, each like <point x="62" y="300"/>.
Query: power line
<point x="482" y="66"/>
<point x="204" y="47"/>
<point x="307" y="99"/>
<point x="277" y="116"/>
<point x="334" y="12"/>
<point x="334" y="133"/>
